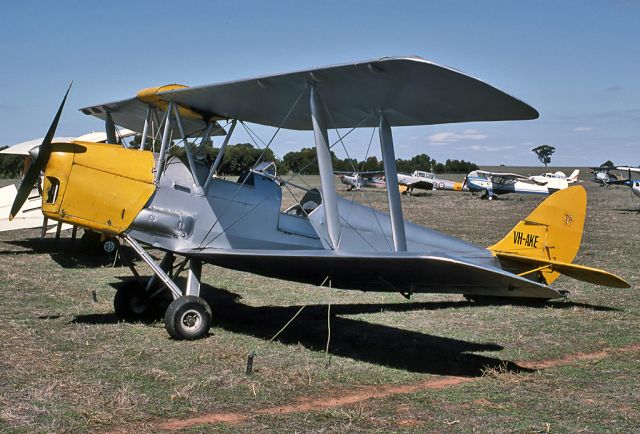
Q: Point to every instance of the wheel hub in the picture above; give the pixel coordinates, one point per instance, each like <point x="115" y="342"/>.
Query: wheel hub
<point x="191" y="319"/>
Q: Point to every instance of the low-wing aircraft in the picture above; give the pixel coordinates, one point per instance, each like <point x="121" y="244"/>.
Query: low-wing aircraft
<point x="603" y="176"/>
<point x="184" y="210"/>
<point x="424" y="180"/>
<point x="496" y="183"/>
<point x="634" y="184"/>
<point x="357" y="180"/>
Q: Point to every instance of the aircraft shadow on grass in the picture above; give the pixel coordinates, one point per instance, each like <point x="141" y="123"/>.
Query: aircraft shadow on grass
<point x="354" y="338"/>
<point x="68" y="253"/>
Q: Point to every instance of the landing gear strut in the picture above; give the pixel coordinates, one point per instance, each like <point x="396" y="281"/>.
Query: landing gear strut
<point x="187" y="317"/>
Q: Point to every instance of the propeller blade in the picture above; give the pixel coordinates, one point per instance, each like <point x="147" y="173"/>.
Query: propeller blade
<point x="39" y="163"/>
<point x="28" y="182"/>
<point x="46" y="143"/>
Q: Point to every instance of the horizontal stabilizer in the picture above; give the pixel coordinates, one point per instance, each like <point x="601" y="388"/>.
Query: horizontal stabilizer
<point x="578" y="272"/>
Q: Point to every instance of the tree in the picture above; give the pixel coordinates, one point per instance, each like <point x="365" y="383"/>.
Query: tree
<point x="544" y="153"/>
<point x="608" y="163"/>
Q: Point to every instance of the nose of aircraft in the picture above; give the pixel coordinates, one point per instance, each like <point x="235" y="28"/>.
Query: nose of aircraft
<point x="40" y="157"/>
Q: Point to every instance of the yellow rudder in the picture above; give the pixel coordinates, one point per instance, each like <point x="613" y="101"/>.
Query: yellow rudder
<point x="553" y="231"/>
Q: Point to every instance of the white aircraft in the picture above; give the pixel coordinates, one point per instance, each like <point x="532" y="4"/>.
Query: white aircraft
<point x="603" y="176"/>
<point x="357" y="180"/>
<point x="495" y="183"/>
<point x="556" y="181"/>
<point x="426" y="181"/>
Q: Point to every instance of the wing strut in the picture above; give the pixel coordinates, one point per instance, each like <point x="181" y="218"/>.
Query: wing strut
<point x="145" y="129"/>
<point x="325" y="166"/>
<point x="393" y="192"/>
<point x="165" y="143"/>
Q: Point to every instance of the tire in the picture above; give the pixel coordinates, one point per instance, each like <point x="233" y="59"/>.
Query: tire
<point x="188" y="318"/>
<point x="130" y="303"/>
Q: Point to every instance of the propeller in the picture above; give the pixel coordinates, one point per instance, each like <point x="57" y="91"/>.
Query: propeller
<point x="41" y="155"/>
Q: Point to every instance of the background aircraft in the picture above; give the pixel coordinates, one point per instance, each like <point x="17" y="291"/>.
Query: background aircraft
<point x="182" y="209"/>
<point x="495" y="183"/>
<point x="423" y="180"/>
<point x="602" y="175"/>
<point x="557" y="180"/>
<point x="630" y="181"/>
<point x="357" y="180"/>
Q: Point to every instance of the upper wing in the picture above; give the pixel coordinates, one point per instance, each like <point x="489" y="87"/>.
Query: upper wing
<point x="346" y="172"/>
<point x="629" y="169"/>
<point x="409" y="91"/>
<point x="131" y="113"/>
<point x="507" y="175"/>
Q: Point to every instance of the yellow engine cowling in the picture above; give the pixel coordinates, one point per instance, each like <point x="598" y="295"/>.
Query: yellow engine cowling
<point x="97" y="186"/>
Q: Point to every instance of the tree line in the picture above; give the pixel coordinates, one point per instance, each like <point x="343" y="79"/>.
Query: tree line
<point x="243" y="156"/>
<point x="305" y="162"/>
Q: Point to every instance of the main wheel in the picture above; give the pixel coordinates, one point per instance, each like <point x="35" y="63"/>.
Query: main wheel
<point x="130" y="302"/>
<point x="188" y="317"/>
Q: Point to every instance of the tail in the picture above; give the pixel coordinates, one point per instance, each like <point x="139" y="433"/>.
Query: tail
<point x="574" y="176"/>
<point x="544" y="244"/>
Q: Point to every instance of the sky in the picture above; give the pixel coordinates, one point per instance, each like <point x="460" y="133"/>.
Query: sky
<point x="576" y="62"/>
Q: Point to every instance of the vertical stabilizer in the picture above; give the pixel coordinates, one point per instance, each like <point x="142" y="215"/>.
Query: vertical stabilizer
<point x="552" y="231"/>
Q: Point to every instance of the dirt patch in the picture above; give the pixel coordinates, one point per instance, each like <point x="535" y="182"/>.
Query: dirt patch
<point x="572" y="358"/>
<point x="376" y="392"/>
<point x="307" y="405"/>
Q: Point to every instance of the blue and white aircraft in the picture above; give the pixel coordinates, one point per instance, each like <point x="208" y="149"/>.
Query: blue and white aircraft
<point x="495" y="183"/>
<point x="630" y="182"/>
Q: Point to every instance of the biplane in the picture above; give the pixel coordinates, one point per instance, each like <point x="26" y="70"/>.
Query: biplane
<point x="357" y="180"/>
<point x="186" y="211"/>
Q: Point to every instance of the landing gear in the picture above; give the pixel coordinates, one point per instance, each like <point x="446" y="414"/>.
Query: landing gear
<point x="133" y="302"/>
<point x="188" y="317"/>
<point x="130" y="302"/>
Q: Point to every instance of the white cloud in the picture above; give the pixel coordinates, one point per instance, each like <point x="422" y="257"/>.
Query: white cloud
<point x="485" y="148"/>
<point x="450" y="137"/>
<point x="582" y="129"/>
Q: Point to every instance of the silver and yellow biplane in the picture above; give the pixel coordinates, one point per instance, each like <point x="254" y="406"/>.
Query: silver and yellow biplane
<point x="184" y="209"/>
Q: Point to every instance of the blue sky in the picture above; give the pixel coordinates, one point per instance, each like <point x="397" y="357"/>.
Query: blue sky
<point x="576" y="62"/>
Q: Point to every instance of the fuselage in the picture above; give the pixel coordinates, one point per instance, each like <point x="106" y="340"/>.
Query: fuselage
<point x="357" y="181"/>
<point x="241" y="225"/>
<point x="477" y="182"/>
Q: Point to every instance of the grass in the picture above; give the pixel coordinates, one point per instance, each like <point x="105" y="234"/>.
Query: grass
<point x="68" y="365"/>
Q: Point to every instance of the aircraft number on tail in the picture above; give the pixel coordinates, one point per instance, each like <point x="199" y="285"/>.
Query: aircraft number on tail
<point x="529" y="240"/>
